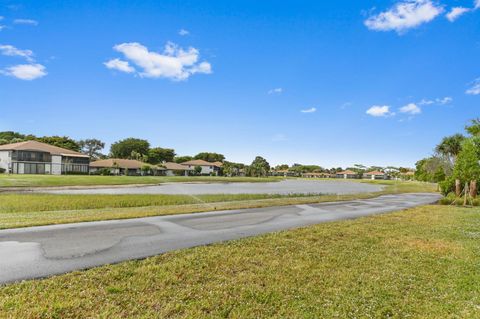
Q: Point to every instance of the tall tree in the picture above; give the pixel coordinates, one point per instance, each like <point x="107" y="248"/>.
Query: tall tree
<point x="474" y="128"/>
<point x="467" y="167"/>
<point x="158" y="155"/>
<point x="91" y="147"/>
<point x="182" y="159"/>
<point x="125" y="147"/>
<point x="61" y="141"/>
<point x="259" y="167"/>
<point x="210" y="157"/>
<point x="450" y="147"/>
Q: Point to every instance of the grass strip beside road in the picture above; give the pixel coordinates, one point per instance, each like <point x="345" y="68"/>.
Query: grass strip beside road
<point x="23" y="210"/>
<point x="418" y="263"/>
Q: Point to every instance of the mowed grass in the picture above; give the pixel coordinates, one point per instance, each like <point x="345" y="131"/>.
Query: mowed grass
<point x="26" y="181"/>
<point x="418" y="263"/>
<point x="22" y="210"/>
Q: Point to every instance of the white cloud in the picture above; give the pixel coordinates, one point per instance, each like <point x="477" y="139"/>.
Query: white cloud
<point x="26" y="71"/>
<point x="411" y="108"/>
<point x="456" y="12"/>
<point x="10" y="50"/>
<point x="25" y="22"/>
<point x="173" y="63"/>
<point x="445" y="100"/>
<point x="183" y="32"/>
<point x="475" y="89"/>
<point x="117" y="64"/>
<point x="275" y="91"/>
<point x="310" y="110"/>
<point x="380" y="111"/>
<point x="477" y="4"/>
<point x="426" y="102"/>
<point x="404" y="15"/>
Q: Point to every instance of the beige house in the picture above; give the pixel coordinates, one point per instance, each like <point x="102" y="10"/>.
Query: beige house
<point x="317" y="175"/>
<point x="375" y="175"/>
<point x="33" y="157"/>
<point x="346" y="174"/>
<point x="207" y="167"/>
<point x="119" y="166"/>
<point x="175" y="169"/>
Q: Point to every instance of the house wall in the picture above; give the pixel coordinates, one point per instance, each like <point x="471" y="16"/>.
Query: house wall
<point x="206" y="170"/>
<point x="5" y="160"/>
<point x="56" y="165"/>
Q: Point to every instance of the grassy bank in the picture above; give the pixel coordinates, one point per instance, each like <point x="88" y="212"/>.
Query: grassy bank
<point x="419" y="263"/>
<point x="22" y="210"/>
<point x="87" y="180"/>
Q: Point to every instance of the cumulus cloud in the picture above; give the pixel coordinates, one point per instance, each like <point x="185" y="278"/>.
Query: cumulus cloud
<point x="275" y="91"/>
<point x="310" y="110"/>
<point x="117" y="64"/>
<point x="456" y="12"/>
<point x="404" y="15"/>
<point x="475" y="88"/>
<point x="411" y="108"/>
<point x="173" y="63"/>
<point x="10" y="50"/>
<point x="25" y="22"/>
<point x="183" y="32"/>
<point x="379" y="111"/>
<point x="26" y="71"/>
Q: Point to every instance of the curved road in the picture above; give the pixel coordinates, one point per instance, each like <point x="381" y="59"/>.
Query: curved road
<point x="37" y="252"/>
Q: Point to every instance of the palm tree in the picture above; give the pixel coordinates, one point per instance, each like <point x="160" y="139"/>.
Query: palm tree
<point x="450" y="147"/>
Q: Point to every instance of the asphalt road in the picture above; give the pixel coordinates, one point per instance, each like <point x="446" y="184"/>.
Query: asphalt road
<point x="283" y="187"/>
<point x="37" y="252"/>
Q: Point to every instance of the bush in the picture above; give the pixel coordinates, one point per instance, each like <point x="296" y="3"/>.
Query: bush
<point x="451" y="199"/>
<point x="447" y="186"/>
<point x="2" y="170"/>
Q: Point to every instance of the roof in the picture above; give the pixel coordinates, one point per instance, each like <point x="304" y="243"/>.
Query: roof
<point x="120" y="163"/>
<point x="375" y="173"/>
<point x="317" y="174"/>
<point x="176" y="167"/>
<point x="347" y="172"/>
<point x="40" y="147"/>
<point x="218" y="164"/>
<point x="200" y="162"/>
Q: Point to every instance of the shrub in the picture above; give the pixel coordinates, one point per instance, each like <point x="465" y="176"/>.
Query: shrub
<point x="447" y="186"/>
<point x="2" y="170"/>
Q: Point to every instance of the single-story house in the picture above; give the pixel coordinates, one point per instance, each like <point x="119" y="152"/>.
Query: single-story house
<point x="33" y="157"/>
<point x="375" y="175"/>
<point x="207" y="167"/>
<point x="175" y="169"/>
<point x="346" y="174"/>
<point x="119" y="166"/>
<point x="316" y="175"/>
<point x="284" y="173"/>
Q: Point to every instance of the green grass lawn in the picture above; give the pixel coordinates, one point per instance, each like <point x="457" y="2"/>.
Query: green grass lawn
<point x="16" y="180"/>
<point x="21" y="210"/>
<point x="419" y="263"/>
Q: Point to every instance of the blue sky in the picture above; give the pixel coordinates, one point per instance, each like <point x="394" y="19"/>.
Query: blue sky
<point x="332" y="83"/>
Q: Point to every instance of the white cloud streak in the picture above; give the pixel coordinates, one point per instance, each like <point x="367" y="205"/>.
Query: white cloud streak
<point x="404" y="15"/>
<point x="379" y="111"/>
<point x="183" y="32"/>
<point x="173" y="63"/>
<point x="25" y="22"/>
<point x="475" y="88"/>
<point x="275" y="91"/>
<point x="310" y="110"/>
<point x="456" y="12"/>
<point x="10" y="50"/>
<point x="411" y="108"/>
<point x="26" y="72"/>
<point x="117" y="64"/>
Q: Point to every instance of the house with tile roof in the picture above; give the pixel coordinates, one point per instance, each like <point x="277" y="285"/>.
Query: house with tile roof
<point x="120" y="166"/>
<point x="33" y="157"/>
<point x="207" y="167"/>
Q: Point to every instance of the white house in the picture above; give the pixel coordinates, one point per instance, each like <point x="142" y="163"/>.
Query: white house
<point x="32" y="157"/>
<point x="120" y="166"/>
<point x="348" y="174"/>
<point x="175" y="169"/>
<point x="207" y="167"/>
<point x="375" y="175"/>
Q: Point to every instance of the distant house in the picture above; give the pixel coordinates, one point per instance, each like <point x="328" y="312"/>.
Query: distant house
<point x="375" y="175"/>
<point x="32" y="157"/>
<point x="317" y="175"/>
<point x="207" y="167"/>
<point x="346" y="174"/>
<point x="284" y="173"/>
<point x="119" y="166"/>
<point x="175" y="169"/>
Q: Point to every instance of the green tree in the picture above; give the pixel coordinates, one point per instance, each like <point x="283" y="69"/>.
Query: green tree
<point x="182" y="159"/>
<point x="124" y="148"/>
<point x="474" y="128"/>
<point x="467" y="167"/>
<point x="259" y="167"/>
<point x="198" y="170"/>
<point x="61" y="141"/>
<point x="282" y="167"/>
<point x="91" y="147"/>
<point x="450" y="147"/>
<point x="210" y="157"/>
<point x="158" y="155"/>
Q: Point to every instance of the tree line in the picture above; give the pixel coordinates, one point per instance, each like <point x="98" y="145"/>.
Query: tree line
<point x="455" y="163"/>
